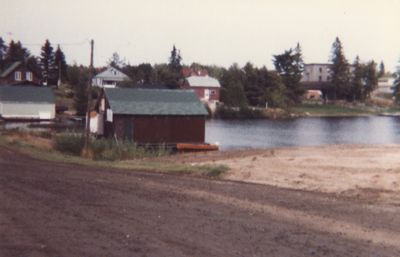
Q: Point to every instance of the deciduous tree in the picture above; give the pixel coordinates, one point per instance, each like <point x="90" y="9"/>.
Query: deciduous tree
<point x="290" y="66"/>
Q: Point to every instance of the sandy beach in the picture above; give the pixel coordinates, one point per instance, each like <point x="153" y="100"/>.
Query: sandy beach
<point x="368" y="172"/>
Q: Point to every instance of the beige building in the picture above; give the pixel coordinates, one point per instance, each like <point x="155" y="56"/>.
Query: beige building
<point x="316" y="72"/>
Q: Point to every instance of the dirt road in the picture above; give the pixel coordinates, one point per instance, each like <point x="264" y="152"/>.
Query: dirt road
<point x="55" y="209"/>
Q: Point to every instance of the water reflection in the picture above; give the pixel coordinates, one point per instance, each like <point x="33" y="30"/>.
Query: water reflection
<point x="236" y="134"/>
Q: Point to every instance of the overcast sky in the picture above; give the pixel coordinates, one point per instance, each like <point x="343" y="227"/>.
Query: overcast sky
<point x="217" y="32"/>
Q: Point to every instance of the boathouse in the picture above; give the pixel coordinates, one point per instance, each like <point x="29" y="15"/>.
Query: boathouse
<point x="150" y="116"/>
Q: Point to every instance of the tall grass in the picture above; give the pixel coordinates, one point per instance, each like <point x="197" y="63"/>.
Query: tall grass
<point x="106" y="149"/>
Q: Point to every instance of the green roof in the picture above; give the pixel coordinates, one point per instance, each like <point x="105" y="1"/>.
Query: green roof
<point x="154" y="102"/>
<point x="26" y="94"/>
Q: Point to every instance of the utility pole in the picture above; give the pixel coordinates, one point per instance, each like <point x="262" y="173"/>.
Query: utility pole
<point x="59" y="71"/>
<point x="89" y="96"/>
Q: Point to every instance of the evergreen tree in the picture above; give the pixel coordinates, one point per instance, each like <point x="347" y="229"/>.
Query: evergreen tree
<point x="175" y="60"/>
<point x="232" y="88"/>
<point x="290" y="66"/>
<point x="60" y="65"/>
<point x="254" y="91"/>
<point x="370" y="79"/>
<point x="340" y="72"/>
<point x="78" y="78"/>
<point x="171" y="76"/>
<point x="16" y="52"/>
<point x="357" y="80"/>
<point x="3" y="51"/>
<point x="381" y="69"/>
<point x="47" y="63"/>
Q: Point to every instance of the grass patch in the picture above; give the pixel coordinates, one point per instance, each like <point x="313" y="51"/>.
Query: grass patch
<point x="329" y="110"/>
<point x="213" y="170"/>
<point x="146" y="162"/>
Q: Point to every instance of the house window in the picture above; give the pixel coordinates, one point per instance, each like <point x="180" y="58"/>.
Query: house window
<point x="320" y="78"/>
<point x="212" y="92"/>
<point x="320" y="70"/>
<point x="28" y="76"/>
<point x="17" y="76"/>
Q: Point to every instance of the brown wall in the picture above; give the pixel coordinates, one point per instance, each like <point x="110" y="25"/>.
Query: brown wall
<point x="162" y="129"/>
<point x="10" y="79"/>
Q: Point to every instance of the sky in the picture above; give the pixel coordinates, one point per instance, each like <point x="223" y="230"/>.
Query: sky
<point x="212" y="32"/>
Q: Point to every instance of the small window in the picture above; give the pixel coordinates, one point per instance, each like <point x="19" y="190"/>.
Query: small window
<point x="320" y="69"/>
<point x="320" y="78"/>
<point x="28" y="76"/>
<point x="17" y="76"/>
<point x="212" y="92"/>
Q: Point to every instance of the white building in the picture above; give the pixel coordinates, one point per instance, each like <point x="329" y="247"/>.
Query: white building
<point x="385" y="85"/>
<point x="109" y="78"/>
<point x="316" y="72"/>
<point x="27" y="103"/>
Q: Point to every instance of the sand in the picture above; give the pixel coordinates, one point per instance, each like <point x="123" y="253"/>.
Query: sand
<point x="364" y="171"/>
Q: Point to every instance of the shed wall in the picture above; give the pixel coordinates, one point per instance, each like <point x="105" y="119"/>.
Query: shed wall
<point x="27" y="110"/>
<point x="161" y="129"/>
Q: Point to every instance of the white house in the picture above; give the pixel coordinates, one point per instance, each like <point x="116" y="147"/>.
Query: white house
<point x="27" y="103"/>
<point x="385" y="85"/>
<point x="109" y="78"/>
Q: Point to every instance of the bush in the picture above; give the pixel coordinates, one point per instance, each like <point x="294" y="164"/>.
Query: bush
<point x="71" y="143"/>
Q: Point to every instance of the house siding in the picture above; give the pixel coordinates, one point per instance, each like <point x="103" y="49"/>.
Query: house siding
<point x="10" y="79"/>
<point x="39" y="111"/>
<point x="159" y="129"/>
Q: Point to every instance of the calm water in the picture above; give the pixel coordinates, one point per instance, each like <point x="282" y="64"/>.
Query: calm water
<point x="303" y="132"/>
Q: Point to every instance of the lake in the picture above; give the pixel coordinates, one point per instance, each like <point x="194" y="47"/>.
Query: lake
<point x="245" y="134"/>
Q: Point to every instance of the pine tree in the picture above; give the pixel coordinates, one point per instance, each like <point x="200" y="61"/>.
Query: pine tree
<point x="357" y="80"/>
<point x="340" y="72"/>
<point x="171" y="76"/>
<point x="381" y="69"/>
<point x="175" y="60"/>
<point x="3" y="50"/>
<point x="370" y="78"/>
<point x="60" y="65"/>
<point x="47" y="63"/>
<point x="16" y="52"/>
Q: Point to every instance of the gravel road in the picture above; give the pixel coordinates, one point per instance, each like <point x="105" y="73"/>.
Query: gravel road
<point x="56" y="209"/>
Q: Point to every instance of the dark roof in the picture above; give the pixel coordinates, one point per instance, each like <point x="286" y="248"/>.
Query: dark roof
<point x="30" y="94"/>
<point x="10" y="68"/>
<point x="154" y="102"/>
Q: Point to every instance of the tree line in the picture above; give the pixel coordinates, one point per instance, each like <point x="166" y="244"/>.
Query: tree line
<point x="240" y="86"/>
<point x="50" y="66"/>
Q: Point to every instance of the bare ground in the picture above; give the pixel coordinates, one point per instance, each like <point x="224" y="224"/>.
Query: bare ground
<point x="56" y="209"/>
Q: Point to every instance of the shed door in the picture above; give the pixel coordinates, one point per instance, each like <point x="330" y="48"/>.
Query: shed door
<point x="128" y="129"/>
